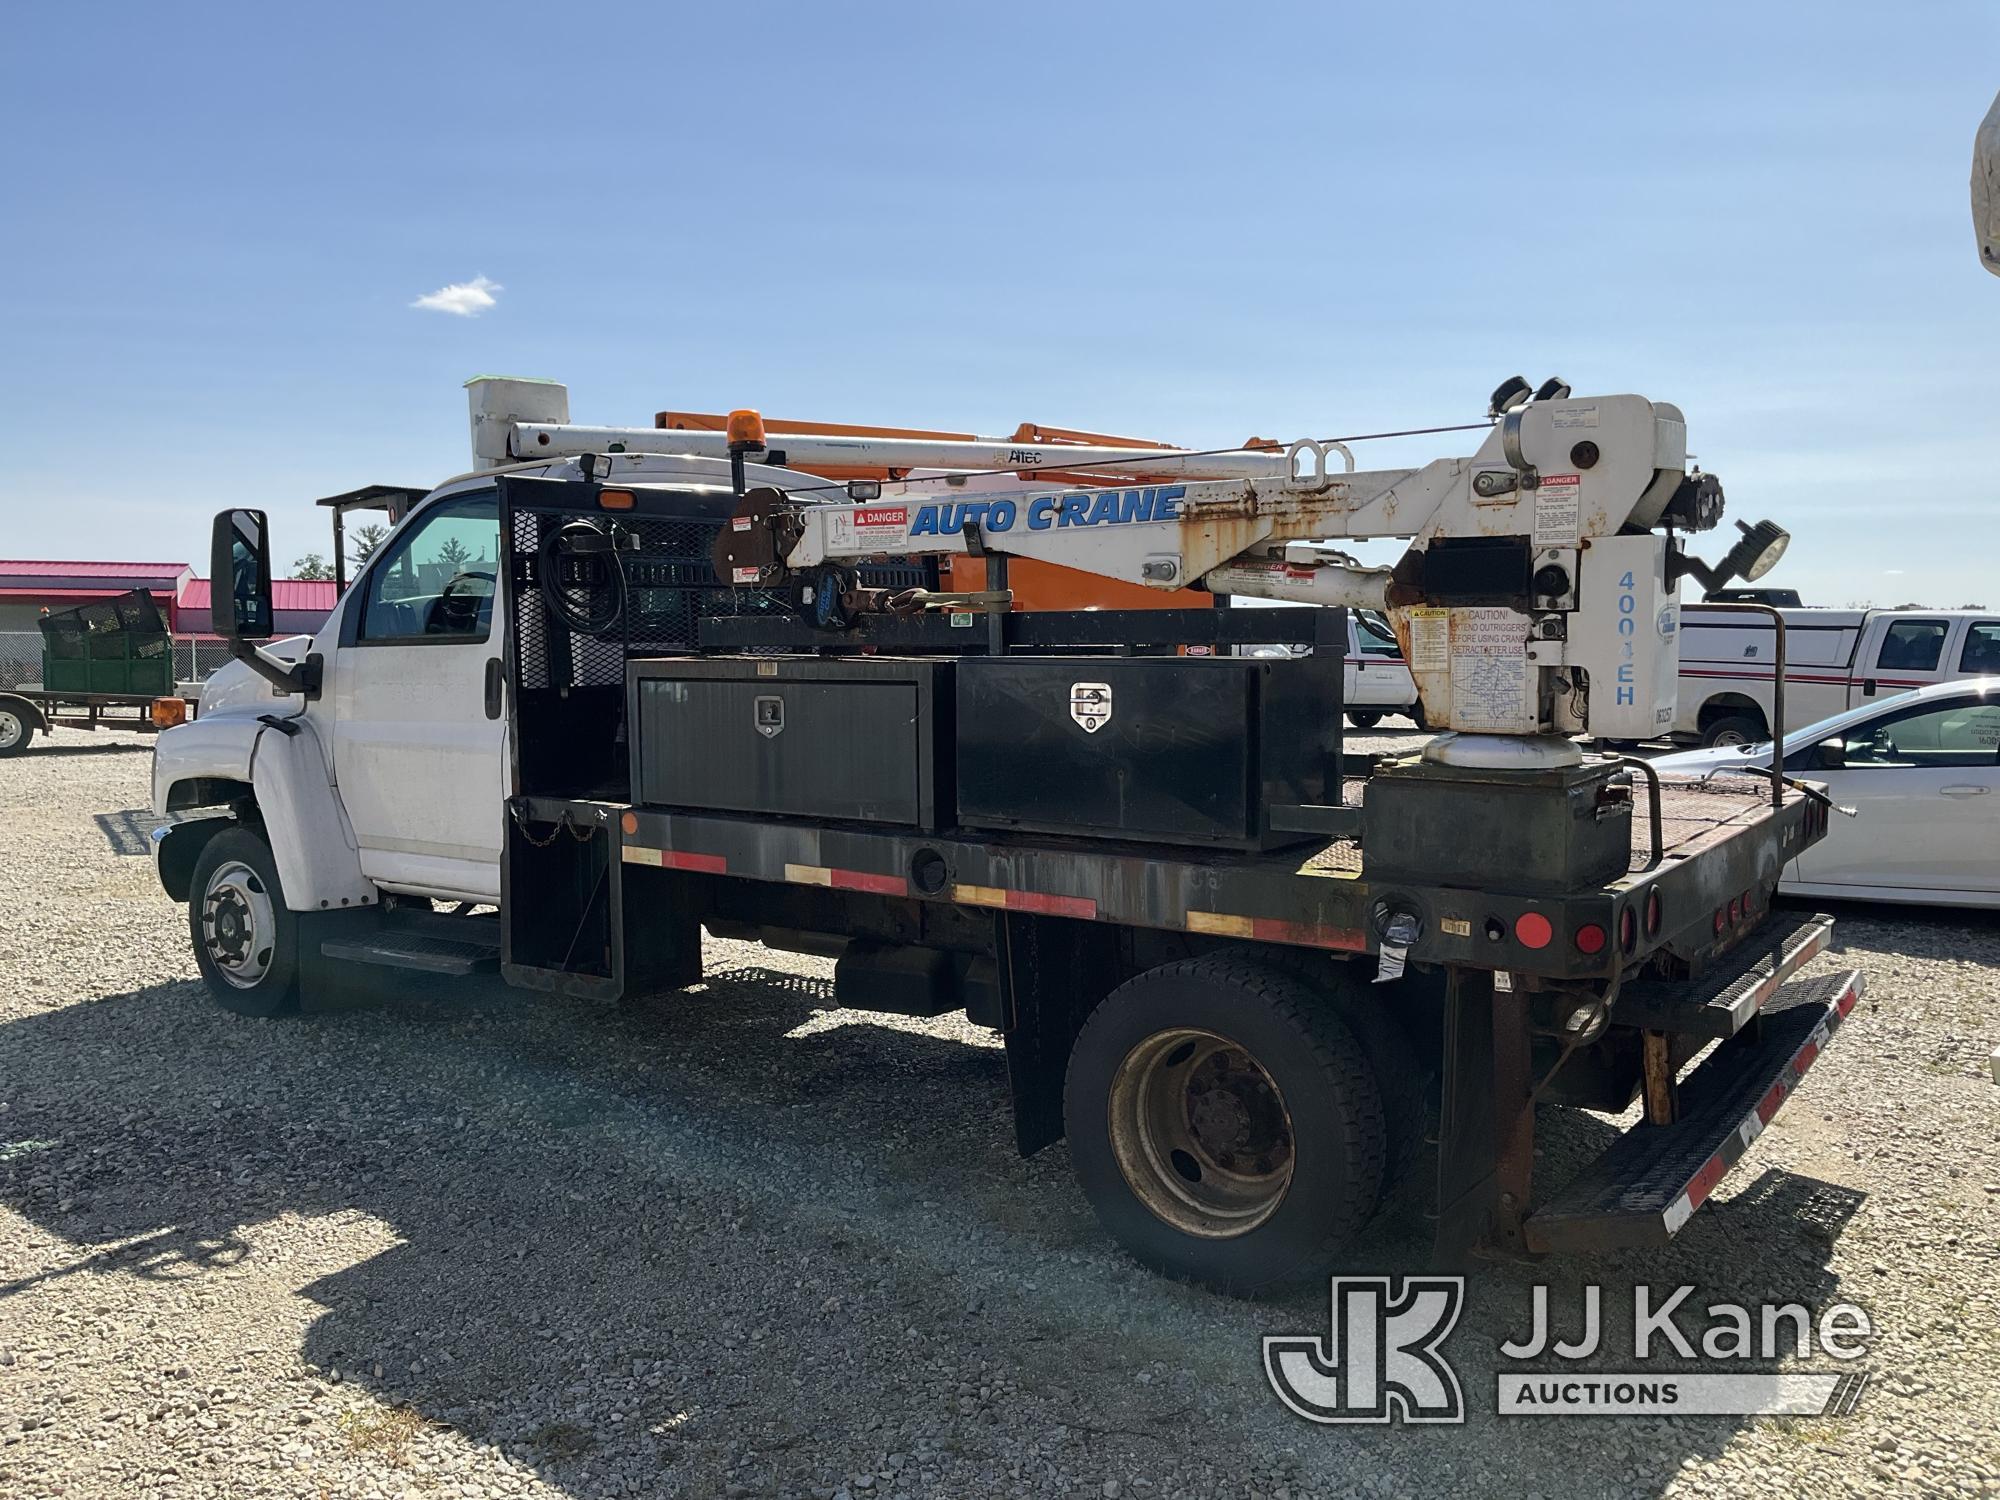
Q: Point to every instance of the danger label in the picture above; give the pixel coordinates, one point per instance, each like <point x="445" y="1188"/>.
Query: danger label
<point x="873" y="520"/>
<point x="1558" y="511"/>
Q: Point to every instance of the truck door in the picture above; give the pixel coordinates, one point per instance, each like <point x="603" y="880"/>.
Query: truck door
<point x="1910" y="654"/>
<point x="419" y="746"/>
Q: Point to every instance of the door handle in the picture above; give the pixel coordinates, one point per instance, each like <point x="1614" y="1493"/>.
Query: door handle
<point x="495" y="678"/>
<point x="1867" y="687"/>
<point x="1962" y="791"/>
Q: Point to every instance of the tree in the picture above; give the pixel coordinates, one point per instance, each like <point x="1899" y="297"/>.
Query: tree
<point x="313" y="568"/>
<point x="453" y="554"/>
<point x="365" y="540"/>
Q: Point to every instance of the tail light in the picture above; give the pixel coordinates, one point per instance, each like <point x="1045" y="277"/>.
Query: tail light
<point x="1628" y="930"/>
<point x="1655" y="913"/>
<point x="1532" y="930"/>
<point x="1589" y="938"/>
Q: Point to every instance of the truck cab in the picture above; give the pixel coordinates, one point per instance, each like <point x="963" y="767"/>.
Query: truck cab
<point x="389" y="775"/>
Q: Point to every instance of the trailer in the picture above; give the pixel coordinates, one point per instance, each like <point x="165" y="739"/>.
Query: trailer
<point x="105" y="665"/>
<point x="609" y="698"/>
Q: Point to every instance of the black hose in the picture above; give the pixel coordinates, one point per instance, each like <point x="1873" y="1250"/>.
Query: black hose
<point x="569" y="534"/>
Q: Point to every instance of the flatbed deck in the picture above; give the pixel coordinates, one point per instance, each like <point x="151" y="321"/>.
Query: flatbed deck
<point x="1309" y="896"/>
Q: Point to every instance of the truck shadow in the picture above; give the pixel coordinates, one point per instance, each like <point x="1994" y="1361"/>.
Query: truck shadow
<point x="735" y="1236"/>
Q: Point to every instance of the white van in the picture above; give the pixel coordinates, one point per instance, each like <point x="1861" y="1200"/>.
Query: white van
<point x="1835" y="659"/>
<point x="1375" y="680"/>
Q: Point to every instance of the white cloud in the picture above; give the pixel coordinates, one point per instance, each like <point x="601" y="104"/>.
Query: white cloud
<point x="467" y="299"/>
<point x="1892" y="572"/>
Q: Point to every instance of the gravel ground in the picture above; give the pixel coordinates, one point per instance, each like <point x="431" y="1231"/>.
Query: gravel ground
<point x="479" y="1243"/>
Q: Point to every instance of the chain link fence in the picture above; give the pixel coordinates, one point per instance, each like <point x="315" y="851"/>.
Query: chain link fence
<point x="195" y="656"/>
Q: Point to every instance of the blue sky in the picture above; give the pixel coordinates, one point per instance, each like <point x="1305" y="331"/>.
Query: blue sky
<point x="1187" y="222"/>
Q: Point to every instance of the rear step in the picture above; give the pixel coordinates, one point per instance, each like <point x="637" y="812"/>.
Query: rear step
<point x="1722" y="1001"/>
<point x="428" y="942"/>
<point x="1652" y="1178"/>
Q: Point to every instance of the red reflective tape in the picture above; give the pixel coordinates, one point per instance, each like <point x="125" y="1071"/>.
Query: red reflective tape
<point x="1846" y="1001"/>
<point x="1053" y="906"/>
<point x="1773" y="1100"/>
<point x="1807" y="1056"/>
<point x="1309" y="934"/>
<point x="683" y="859"/>
<point x="861" y="880"/>
<point x="1705" y="1180"/>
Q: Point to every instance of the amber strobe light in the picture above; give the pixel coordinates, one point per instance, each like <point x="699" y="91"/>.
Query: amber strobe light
<point x="167" y="712"/>
<point x="745" y="428"/>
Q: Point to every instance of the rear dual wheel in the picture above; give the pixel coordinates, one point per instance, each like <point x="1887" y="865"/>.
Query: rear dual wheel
<point x="1226" y="1124"/>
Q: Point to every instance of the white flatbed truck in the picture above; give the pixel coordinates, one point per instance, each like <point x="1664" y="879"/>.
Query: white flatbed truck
<point x="624" y="691"/>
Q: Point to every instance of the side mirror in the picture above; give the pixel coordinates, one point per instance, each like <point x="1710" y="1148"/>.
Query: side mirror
<point x="240" y="608"/>
<point x="1832" y="754"/>
<point x="239" y="571"/>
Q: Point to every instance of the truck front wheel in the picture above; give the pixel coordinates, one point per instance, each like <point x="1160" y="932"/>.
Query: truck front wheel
<point x="246" y="940"/>
<point x="1364" y="718"/>
<point x="1225" y="1124"/>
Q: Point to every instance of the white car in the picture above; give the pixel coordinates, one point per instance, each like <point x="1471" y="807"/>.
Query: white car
<point x="1922" y="773"/>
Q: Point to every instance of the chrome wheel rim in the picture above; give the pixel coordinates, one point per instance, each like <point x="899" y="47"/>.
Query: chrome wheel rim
<point x="1201" y="1133"/>
<point x="10" y="729"/>
<point x="238" y="924"/>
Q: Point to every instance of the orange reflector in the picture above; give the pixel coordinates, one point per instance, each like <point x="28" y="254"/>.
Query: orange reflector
<point x="1532" y="930"/>
<point x="745" y="427"/>
<point x="616" y="499"/>
<point x="630" y="823"/>
<point x="167" y="712"/>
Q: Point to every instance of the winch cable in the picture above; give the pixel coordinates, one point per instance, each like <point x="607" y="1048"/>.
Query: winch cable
<point x="959" y="476"/>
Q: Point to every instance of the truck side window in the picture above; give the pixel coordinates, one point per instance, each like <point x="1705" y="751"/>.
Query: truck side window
<point x="1980" y="655"/>
<point x="436" y="582"/>
<point x="1912" y="646"/>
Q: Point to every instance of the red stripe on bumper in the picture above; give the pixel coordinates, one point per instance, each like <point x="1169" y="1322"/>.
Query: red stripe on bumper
<point x="1271" y="930"/>
<point x="861" y="880"/>
<point x="1053" y="906"/>
<point x="682" y="859"/>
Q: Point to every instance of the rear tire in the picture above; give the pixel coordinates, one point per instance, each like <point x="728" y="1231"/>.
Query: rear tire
<point x="17" y="730"/>
<point x="1363" y="718"/>
<point x="1734" y="729"/>
<point x="1416" y="712"/>
<point x="1225" y="1124"/>
<point x="246" y="940"/>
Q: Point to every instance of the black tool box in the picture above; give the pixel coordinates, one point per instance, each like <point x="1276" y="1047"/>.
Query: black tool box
<point x="1184" y="750"/>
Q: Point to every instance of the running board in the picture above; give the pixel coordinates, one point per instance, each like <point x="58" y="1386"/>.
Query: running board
<point x="1722" y="1001"/>
<point x="426" y="943"/>
<point x="1653" y="1177"/>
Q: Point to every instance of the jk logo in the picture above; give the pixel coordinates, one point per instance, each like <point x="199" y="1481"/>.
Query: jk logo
<point x="1379" y="1361"/>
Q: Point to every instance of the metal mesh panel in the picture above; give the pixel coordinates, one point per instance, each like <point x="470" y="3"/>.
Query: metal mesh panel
<point x="670" y="588"/>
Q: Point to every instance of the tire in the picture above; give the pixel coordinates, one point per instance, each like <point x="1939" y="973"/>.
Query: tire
<point x="1364" y="718"/>
<point x="1416" y="712"/>
<point x="1734" y="729"/>
<point x="246" y="941"/>
<point x="1402" y="1079"/>
<point x="17" y="730"/>
<point x="1258" y="1190"/>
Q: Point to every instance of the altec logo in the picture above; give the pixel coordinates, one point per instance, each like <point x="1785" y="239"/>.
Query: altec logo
<point x="1379" y="1361"/>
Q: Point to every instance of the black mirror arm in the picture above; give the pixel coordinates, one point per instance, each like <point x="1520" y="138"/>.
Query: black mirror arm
<point x="301" y="677"/>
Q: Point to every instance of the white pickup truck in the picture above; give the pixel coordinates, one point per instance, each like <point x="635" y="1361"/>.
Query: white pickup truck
<point x="1835" y="659"/>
